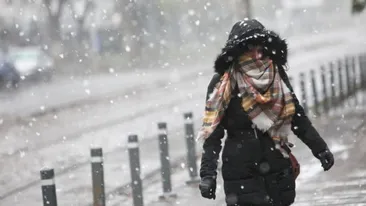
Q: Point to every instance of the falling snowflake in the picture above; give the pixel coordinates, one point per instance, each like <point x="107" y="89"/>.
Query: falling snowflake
<point x="191" y="12"/>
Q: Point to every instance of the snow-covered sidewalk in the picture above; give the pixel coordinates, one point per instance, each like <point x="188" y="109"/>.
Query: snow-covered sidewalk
<point x="334" y="129"/>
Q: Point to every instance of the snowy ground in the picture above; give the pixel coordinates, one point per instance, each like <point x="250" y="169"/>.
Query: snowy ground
<point x="62" y="136"/>
<point x="340" y="186"/>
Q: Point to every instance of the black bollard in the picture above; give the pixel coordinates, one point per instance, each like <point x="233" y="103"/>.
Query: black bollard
<point x="165" y="162"/>
<point x="348" y="77"/>
<point x="191" y="149"/>
<point x="291" y="80"/>
<point x="333" y="98"/>
<point x="315" y="93"/>
<point x="97" y="176"/>
<point x="136" y="183"/>
<point x="48" y="187"/>
<point x="303" y="93"/>
<point x="325" y="93"/>
<point x="363" y="70"/>
<point x="354" y="75"/>
<point x="360" y="62"/>
<point x="340" y="82"/>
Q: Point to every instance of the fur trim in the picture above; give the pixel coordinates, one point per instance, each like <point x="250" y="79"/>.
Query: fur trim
<point x="237" y="44"/>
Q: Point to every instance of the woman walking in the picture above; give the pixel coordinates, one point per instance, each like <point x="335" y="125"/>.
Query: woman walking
<point x="250" y="97"/>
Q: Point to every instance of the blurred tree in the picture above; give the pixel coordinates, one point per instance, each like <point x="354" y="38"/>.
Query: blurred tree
<point x="54" y="9"/>
<point x="80" y="15"/>
<point x="131" y="28"/>
<point x="3" y="35"/>
<point x="34" y="33"/>
<point x="154" y="28"/>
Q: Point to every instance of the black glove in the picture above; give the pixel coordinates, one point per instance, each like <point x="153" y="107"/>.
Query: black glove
<point x="326" y="158"/>
<point x="208" y="187"/>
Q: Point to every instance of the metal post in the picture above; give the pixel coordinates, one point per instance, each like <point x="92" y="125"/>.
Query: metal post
<point x="340" y="81"/>
<point x="291" y="80"/>
<point x="362" y="73"/>
<point x="315" y="93"/>
<point x="332" y="85"/>
<point x="348" y="77"/>
<point x="303" y="93"/>
<point x="354" y="73"/>
<point x="48" y="187"/>
<point x="191" y="149"/>
<point x="248" y="8"/>
<point x="243" y="9"/>
<point x="363" y="70"/>
<point x="165" y="162"/>
<point x="97" y="176"/>
<point x="325" y="93"/>
<point x="136" y="183"/>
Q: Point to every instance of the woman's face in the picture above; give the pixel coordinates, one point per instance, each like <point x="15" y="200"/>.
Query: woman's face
<point x="258" y="50"/>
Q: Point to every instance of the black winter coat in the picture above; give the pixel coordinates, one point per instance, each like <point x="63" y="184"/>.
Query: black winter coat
<point x="247" y="153"/>
<point x="254" y="172"/>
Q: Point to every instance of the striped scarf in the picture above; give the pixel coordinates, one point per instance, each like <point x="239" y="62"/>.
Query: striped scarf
<point x="265" y="97"/>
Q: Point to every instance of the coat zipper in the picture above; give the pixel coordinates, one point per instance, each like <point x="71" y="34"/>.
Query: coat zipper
<point x="255" y="131"/>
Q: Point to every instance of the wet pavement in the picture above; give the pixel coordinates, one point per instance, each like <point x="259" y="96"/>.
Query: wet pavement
<point x="344" y="184"/>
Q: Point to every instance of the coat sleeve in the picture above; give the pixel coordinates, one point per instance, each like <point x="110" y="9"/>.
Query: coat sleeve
<point x="304" y="130"/>
<point x="301" y="124"/>
<point x="212" y="145"/>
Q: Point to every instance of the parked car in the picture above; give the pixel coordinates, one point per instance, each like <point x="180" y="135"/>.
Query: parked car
<point x="9" y="76"/>
<point x="31" y="62"/>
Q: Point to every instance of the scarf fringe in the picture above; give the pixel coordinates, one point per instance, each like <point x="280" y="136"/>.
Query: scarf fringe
<point x="263" y="122"/>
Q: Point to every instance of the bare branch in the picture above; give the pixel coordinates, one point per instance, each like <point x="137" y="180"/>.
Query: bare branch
<point x="89" y="4"/>
<point x="60" y="7"/>
<point x="47" y="3"/>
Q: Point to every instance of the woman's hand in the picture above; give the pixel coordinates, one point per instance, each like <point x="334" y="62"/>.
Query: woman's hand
<point x="208" y="187"/>
<point x="326" y="158"/>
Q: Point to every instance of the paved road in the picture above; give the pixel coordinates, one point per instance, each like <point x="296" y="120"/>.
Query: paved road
<point x="62" y="93"/>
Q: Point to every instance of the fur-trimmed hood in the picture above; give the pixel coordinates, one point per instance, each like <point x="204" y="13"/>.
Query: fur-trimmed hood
<point x="251" y="32"/>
